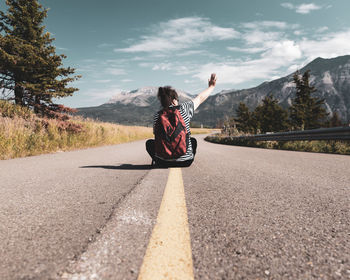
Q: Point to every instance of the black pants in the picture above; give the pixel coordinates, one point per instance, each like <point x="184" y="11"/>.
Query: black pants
<point x="151" y="151"/>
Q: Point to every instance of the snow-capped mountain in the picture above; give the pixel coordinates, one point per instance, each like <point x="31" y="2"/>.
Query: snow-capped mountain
<point x="136" y="107"/>
<point x="142" y="97"/>
<point x="331" y="78"/>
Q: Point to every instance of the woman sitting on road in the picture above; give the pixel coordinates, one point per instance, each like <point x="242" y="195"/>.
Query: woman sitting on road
<point x="168" y="127"/>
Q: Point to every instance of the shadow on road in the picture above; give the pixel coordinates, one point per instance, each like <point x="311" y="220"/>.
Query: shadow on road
<point x="123" y="167"/>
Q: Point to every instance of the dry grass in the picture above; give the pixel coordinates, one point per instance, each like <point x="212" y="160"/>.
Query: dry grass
<point x="203" y="130"/>
<point x="20" y="137"/>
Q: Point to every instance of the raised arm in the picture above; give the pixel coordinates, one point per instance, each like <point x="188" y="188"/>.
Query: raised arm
<point x="200" y="98"/>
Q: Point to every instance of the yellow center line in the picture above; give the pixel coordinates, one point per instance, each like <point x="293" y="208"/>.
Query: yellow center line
<point x="169" y="254"/>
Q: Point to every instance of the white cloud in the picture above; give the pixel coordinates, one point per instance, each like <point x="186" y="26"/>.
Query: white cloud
<point x="322" y="29"/>
<point x="286" y="51"/>
<point x="186" y="69"/>
<point x="330" y="45"/>
<point x="180" y="34"/>
<point x="100" y="95"/>
<point x="268" y="65"/>
<point x="307" y="8"/>
<point x="246" y="50"/>
<point x="178" y="68"/>
<point x="103" y="81"/>
<point x="145" y="64"/>
<point x="115" y="61"/>
<point x="288" y="5"/>
<point x="137" y="58"/>
<point x="277" y="55"/>
<point x="232" y="73"/>
<point x="293" y="68"/>
<point x="127" y="80"/>
<point x="192" y="52"/>
<point x="105" y="45"/>
<point x="162" y="66"/>
<point x="302" y="8"/>
<point x="219" y="33"/>
<point x="265" y="24"/>
<point x="115" y="71"/>
<point x="274" y="78"/>
<point x="261" y="37"/>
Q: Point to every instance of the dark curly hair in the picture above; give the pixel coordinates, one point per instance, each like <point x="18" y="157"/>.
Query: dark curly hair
<point x="166" y="95"/>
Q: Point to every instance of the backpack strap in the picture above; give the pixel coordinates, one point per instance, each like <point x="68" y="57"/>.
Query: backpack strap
<point x="178" y="129"/>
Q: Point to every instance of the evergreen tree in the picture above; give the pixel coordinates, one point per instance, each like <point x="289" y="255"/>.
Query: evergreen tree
<point x="229" y="126"/>
<point x="335" y="120"/>
<point x="244" y="120"/>
<point x="270" y="116"/>
<point x="30" y="70"/>
<point x="306" y="112"/>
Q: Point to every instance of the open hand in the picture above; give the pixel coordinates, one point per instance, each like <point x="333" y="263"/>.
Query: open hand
<point x="212" y="80"/>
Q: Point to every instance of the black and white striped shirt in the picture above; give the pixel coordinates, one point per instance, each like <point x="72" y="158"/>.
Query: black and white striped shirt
<point x="186" y="110"/>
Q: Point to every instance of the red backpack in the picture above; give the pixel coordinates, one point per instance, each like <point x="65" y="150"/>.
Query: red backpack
<point x="171" y="135"/>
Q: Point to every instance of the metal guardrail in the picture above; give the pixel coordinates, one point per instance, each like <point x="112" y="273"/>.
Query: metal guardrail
<point x="334" y="133"/>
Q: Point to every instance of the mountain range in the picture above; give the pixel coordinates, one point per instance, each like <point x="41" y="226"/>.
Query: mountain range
<point x="136" y="107"/>
<point x="331" y="78"/>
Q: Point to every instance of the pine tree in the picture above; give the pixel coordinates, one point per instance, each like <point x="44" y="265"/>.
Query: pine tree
<point x="229" y="125"/>
<point x="335" y="120"/>
<point x="271" y="117"/>
<point x="306" y="112"/>
<point x="31" y="72"/>
<point x="244" y="120"/>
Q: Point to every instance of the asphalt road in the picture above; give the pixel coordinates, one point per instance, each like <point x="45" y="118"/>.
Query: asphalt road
<point x="252" y="213"/>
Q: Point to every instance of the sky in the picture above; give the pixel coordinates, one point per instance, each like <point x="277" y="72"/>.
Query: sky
<point x="124" y="45"/>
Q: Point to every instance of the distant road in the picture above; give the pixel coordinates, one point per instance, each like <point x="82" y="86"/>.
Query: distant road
<point x="252" y="213"/>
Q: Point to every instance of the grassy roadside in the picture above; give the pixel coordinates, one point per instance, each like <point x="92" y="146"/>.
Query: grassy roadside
<point x="203" y="130"/>
<point x="23" y="134"/>
<point x="333" y="147"/>
<point x="20" y="138"/>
